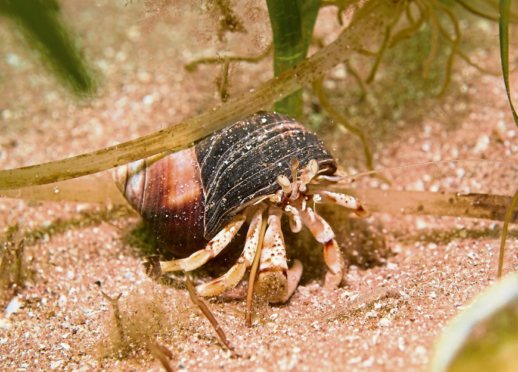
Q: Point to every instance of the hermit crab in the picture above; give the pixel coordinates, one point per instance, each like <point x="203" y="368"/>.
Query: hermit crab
<point x="196" y="200"/>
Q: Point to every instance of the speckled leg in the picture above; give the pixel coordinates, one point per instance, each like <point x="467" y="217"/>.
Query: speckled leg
<point x="275" y="282"/>
<point x="213" y="248"/>
<point x="345" y="201"/>
<point x="332" y="255"/>
<point x="236" y="273"/>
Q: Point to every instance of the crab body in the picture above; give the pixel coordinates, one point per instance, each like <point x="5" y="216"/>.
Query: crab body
<point x="187" y="197"/>
<point x="196" y="200"/>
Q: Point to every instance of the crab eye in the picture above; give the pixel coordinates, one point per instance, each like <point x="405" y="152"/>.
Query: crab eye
<point x="285" y="184"/>
<point x="313" y="167"/>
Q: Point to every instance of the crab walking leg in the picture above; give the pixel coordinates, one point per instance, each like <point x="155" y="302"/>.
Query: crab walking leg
<point x="332" y="255"/>
<point x="344" y="200"/>
<point x="275" y="282"/>
<point x="272" y="280"/>
<point x="236" y="273"/>
<point x="213" y="248"/>
<point x="295" y="222"/>
<point x="294" y="275"/>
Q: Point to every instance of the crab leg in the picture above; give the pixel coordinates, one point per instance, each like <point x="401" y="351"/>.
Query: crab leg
<point x="295" y="222"/>
<point x="213" y="248"/>
<point x="332" y="255"/>
<point x="236" y="273"/>
<point x="344" y="200"/>
<point x="294" y="275"/>
<point x="275" y="282"/>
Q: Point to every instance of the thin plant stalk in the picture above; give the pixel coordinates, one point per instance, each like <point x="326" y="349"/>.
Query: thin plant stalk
<point x="363" y="29"/>
<point x="383" y="49"/>
<point x="350" y="69"/>
<point x="367" y="53"/>
<point x="454" y="47"/>
<point x="408" y="12"/>
<point x="503" y="28"/>
<point x="162" y="353"/>
<point x="116" y="313"/>
<point x="435" y="38"/>
<point x="336" y="116"/>
<point x="224" y="81"/>
<point x="407" y="32"/>
<point x="206" y="311"/>
<point x="513" y="17"/>
<point x="194" y="64"/>
<point x="465" y="57"/>
<point x="473" y="10"/>
<point x="504" y="233"/>
<point x="253" y="270"/>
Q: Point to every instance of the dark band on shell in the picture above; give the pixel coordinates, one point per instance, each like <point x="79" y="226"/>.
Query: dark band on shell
<point x="241" y="163"/>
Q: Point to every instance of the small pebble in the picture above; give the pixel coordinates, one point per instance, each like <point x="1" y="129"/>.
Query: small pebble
<point x="13" y="307"/>
<point x="303" y="291"/>
<point x="62" y="302"/>
<point x="5" y="324"/>
<point x="65" y="346"/>
<point x="55" y="364"/>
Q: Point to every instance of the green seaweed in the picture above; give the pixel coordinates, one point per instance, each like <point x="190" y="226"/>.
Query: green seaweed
<point x="40" y="23"/>
<point x="503" y="27"/>
<point x="292" y="26"/>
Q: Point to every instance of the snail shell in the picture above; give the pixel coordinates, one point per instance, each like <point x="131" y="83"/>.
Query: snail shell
<point x="187" y="197"/>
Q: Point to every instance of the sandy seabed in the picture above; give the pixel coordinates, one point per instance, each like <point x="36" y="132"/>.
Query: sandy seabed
<point x="435" y="264"/>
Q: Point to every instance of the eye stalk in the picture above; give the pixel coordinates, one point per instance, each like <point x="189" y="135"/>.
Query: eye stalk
<point x="285" y="184"/>
<point x="313" y="167"/>
<point x="308" y="174"/>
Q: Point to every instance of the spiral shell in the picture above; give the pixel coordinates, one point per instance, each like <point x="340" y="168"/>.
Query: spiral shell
<point x="187" y="197"/>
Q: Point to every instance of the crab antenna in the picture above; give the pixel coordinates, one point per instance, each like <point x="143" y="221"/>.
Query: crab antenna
<point x="358" y="175"/>
<point x="312" y="215"/>
<point x="324" y="177"/>
<point x="294" y="165"/>
<point x="285" y="184"/>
